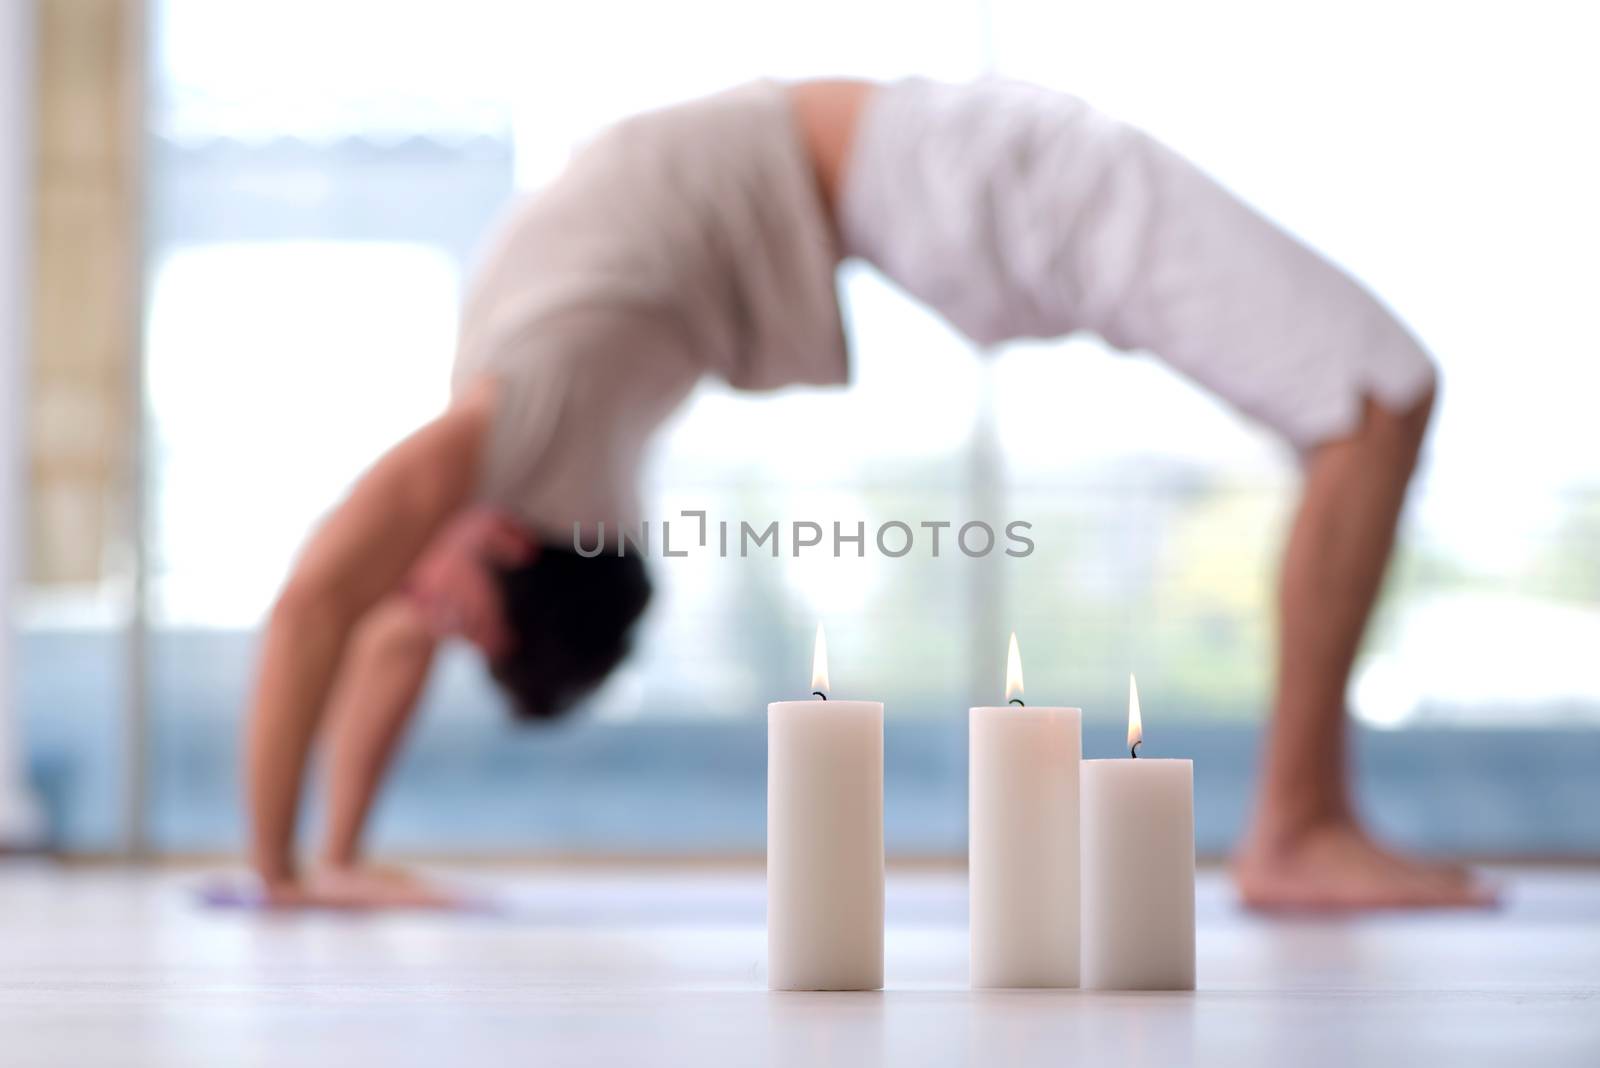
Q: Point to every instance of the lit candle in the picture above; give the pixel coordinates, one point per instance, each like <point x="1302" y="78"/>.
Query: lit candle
<point x="824" y="840"/>
<point x="1138" y="869"/>
<point x="1023" y="840"/>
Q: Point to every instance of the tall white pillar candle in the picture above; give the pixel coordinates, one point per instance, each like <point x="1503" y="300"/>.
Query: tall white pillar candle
<point x="824" y="842"/>
<point x="1138" y="870"/>
<point x="1023" y="841"/>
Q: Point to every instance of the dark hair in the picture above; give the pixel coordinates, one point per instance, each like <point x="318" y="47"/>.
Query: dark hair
<point x="571" y="620"/>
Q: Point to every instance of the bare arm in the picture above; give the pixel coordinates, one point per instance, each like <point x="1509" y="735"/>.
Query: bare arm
<point x="372" y="704"/>
<point x="358" y="556"/>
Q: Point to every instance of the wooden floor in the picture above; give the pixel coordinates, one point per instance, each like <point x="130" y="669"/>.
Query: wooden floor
<point x="598" y="967"/>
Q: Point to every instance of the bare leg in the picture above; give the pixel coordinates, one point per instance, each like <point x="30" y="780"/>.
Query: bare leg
<point x="1305" y="847"/>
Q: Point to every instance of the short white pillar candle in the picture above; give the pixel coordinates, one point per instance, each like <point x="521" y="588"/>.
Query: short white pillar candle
<point x="824" y="841"/>
<point x="1138" y="870"/>
<point x="1022" y="870"/>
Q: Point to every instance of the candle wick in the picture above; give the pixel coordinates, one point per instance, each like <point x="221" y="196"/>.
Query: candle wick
<point x="819" y="693"/>
<point x="1016" y="701"/>
<point x="1133" y="750"/>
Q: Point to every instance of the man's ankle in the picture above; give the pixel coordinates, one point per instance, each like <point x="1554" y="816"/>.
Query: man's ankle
<point x="1279" y="827"/>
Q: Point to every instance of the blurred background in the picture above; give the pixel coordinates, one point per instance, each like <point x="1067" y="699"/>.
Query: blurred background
<point x="225" y="220"/>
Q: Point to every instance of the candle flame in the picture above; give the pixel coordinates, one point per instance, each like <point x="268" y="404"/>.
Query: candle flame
<point x="1013" y="669"/>
<point x="1135" y="723"/>
<point x="819" y="663"/>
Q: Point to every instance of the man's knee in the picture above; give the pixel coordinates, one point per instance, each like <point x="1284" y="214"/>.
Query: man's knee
<point x="1419" y="415"/>
<point x="1388" y="434"/>
<point x="1401" y="428"/>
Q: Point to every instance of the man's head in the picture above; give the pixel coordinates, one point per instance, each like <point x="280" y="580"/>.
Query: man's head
<point x="571" y="620"/>
<point x="552" y="624"/>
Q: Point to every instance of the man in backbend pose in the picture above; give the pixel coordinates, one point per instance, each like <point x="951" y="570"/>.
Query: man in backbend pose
<point x="703" y="239"/>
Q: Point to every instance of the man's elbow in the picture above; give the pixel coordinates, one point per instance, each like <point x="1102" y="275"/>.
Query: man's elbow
<point x="308" y="603"/>
<point x="395" y="628"/>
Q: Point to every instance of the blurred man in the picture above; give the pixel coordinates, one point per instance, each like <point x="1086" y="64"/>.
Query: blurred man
<point x="703" y="239"/>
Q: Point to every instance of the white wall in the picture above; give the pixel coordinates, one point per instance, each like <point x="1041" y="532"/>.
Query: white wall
<point x="19" y="815"/>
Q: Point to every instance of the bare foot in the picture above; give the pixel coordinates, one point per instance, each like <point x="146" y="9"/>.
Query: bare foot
<point x="1336" y="867"/>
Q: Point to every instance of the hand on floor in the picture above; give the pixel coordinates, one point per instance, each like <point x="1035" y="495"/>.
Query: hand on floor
<point x="353" y="888"/>
<point x="363" y="887"/>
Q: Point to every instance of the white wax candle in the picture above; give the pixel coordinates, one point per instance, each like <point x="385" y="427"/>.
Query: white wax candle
<point x="1138" y="870"/>
<point x="1023" y="845"/>
<point x="825" y="845"/>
